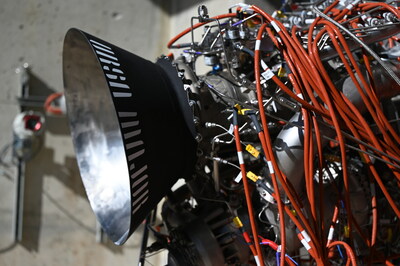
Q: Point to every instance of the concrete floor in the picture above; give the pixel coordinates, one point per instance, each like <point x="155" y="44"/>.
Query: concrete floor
<point x="59" y="227"/>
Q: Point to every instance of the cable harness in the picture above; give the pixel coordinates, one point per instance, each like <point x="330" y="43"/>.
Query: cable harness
<point x="297" y="116"/>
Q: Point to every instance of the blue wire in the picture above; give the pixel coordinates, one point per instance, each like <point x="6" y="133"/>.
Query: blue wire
<point x="283" y="2"/>
<point x="292" y="259"/>
<point x="188" y="51"/>
<point x="278" y="258"/>
<point x="278" y="255"/>
<point x="237" y="23"/>
<point x="340" y="252"/>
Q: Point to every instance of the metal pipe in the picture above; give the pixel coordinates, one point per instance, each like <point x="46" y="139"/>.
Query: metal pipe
<point x="19" y="202"/>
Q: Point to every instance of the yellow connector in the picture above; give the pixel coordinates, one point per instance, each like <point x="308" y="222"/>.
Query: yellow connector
<point x="281" y="72"/>
<point x="280" y="14"/>
<point x="253" y="177"/>
<point x="332" y="158"/>
<point x="250" y="23"/>
<point x="346" y="231"/>
<point x="237" y="222"/>
<point x="253" y="151"/>
<point x="240" y="110"/>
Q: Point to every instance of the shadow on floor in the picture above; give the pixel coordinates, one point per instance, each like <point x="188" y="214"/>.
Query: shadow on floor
<point x="44" y="164"/>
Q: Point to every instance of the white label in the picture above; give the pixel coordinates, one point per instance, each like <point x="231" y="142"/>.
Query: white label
<point x="240" y="156"/>
<point x="271" y="167"/>
<point x="306" y="236"/>
<point x="231" y="128"/>
<point x="330" y="234"/>
<point x="258" y="44"/>
<point x="305" y="244"/>
<point x="276" y="27"/>
<point x="267" y="74"/>
<point x="238" y="177"/>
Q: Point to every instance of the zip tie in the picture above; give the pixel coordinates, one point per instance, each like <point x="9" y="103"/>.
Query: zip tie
<point x="240" y="156"/>
<point x="276" y="27"/>
<point x="271" y="167"/>
<point x="257" y="45"/>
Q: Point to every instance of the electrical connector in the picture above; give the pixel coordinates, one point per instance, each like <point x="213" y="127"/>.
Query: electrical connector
<point x="253" y="151"/>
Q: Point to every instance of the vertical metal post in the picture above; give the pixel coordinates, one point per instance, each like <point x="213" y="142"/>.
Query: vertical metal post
<point x="150" y="220"/>
<point x="20" y="180"/>
<point x="19" y="202"/>
<point x="144" y="241"/>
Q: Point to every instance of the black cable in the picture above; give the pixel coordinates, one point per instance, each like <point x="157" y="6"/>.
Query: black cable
<point x="143" y="247"/>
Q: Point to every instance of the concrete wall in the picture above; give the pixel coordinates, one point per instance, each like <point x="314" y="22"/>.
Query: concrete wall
<point x="59" y="227"/>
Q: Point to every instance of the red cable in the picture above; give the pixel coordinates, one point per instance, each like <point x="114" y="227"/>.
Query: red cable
<point x="247" y="195"/>
<point x="275" y="246"/>
<point x="268" y="142"/>
<point x="350" y="254"/>
<point x="48" y="103"/>
<point x="195" y="26"/>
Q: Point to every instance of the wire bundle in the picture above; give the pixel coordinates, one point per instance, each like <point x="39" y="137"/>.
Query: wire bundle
<point x="323" y="105"/>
